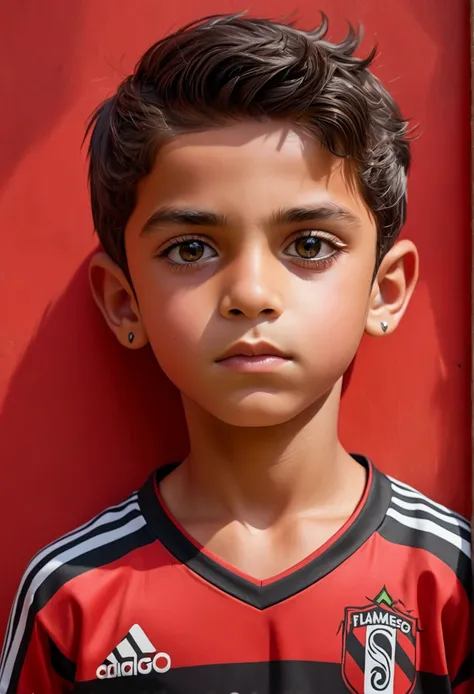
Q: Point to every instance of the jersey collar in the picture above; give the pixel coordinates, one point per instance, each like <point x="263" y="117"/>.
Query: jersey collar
<point x="364" y="522"/>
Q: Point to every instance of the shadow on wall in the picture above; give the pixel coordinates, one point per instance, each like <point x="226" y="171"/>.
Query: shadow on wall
<point x="90" y="418"/>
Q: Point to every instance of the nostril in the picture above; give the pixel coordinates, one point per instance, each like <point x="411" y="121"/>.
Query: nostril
<point x="235" y="311"/>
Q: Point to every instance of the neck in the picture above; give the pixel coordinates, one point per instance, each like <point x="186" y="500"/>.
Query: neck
<point x="258" y="472"/>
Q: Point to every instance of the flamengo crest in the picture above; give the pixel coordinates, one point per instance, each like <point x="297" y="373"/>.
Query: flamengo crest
<point x="379" y="647"/>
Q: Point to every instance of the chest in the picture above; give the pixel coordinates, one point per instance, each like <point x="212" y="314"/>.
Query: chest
<point x="263" y="554"/>
<point x="173" y="630"/>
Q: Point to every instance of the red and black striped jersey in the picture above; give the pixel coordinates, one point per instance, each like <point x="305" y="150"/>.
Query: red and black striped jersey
<point x="129" y="602"/>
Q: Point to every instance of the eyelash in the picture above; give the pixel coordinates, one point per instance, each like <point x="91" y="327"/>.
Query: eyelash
<point x="175" y="243"/>
<point x="315" y="264"/>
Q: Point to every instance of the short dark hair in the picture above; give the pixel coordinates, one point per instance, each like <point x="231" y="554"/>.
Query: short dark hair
<point x="227" y="68"/>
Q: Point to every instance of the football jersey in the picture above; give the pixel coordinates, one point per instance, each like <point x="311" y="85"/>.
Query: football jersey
<point x="129" y="602"/>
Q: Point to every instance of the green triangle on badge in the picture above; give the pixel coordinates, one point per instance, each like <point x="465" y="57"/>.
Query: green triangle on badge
<point x="384" y="596"/>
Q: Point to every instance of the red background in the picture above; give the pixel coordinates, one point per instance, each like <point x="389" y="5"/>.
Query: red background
<point x="83" y="421"/>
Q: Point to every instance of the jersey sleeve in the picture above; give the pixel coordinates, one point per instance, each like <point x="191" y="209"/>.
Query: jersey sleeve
<point x="34" y="664"/>
<point x="459" y="649"/>
<point x="458" y="633"/>
<point x="32" y="659"/>
<point x="43" y="640"/>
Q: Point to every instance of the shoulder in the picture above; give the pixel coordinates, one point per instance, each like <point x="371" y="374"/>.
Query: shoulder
<point x="45" y="587"/>
<point x="105" y="538"/>
<point x="416" y="521"/>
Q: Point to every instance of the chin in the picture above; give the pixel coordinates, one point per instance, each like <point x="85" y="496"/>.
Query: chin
<point x="260" y="410"/>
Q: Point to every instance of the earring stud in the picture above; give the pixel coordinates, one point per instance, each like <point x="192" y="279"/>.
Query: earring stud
<point x="131" y="337"/>
<point x="384" y="326"/>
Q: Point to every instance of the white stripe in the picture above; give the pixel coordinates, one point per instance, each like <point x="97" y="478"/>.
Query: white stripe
<point x="47" y="570"/>
<point x="111" y="514"/>
<point x="403" y="488"/>
<point x="126" y="649"/>
<point x="142" y="640"/>
<point x="91" y="522"/>
<point x="433" y="528"/>
<point x="409" y="506"/>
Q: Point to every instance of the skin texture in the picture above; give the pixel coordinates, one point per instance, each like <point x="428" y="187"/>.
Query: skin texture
<point x="266" y="481"/>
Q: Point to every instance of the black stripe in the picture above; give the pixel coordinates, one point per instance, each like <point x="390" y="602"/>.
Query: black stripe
<point x="80" y="565"/>
<point x="117" y="508"/>
<point x="412" y="635"/>
<point x="465" y="672"/>
<point x="261" y="597"/>
<point x="135" y="645"/>
<point x="426" y="500"/>
<point x="432" y="684"/>
<point x="399" y="534"/>
<point x="117" y="655"/>
<point x="355" y="649"/>
<point x="276" y="677"/>
<point x="64" y="667"/>
<point x="425" y="515"/>
<point x="131" y="642"/>
<point x="115" y="651"/>
<point x="55" y="551"/>
<point x="404" y="662"/>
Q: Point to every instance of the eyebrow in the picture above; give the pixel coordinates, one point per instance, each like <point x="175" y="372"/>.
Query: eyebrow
<point x="170" y="216"/>
<point x="327" y="212"/>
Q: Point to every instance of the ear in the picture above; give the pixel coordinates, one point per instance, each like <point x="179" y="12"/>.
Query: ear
<point x="115" y="298"/>
<point x="392" y="288"/>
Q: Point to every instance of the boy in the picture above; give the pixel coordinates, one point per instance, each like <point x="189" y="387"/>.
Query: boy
<point x="248" y="185"/>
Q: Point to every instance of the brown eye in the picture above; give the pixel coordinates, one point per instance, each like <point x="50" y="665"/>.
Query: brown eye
<point x="190" y="251"/>
<point x="308" y="246"/>
<point x="311" y="248"/>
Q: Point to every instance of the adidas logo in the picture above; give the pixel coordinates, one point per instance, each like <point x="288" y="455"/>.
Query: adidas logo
<point x="134" y="655"/>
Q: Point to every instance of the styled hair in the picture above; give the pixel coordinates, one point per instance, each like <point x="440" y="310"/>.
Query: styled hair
<point x="226" y="68"/>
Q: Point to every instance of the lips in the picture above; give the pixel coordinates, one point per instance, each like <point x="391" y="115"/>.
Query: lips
<point x="253" y="349"/>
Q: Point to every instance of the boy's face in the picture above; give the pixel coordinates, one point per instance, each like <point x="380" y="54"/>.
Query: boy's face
<point x="247" y="235"/>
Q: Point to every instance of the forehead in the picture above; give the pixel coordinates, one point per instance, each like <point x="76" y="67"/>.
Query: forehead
<point x="247" y="170"/>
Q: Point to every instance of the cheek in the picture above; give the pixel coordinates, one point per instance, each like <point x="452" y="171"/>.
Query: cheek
<point x="341" y="312"/>
<point x="329" y="307"/>
<point x="175" y="323"/>
<point x="333" y="314"/>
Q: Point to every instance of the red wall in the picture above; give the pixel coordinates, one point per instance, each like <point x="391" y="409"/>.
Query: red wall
<point x="84" y="421"/>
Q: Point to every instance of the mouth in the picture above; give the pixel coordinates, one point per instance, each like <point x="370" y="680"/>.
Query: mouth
<point x="254" y="357"/>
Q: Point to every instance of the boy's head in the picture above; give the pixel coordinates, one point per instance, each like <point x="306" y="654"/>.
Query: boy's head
<point x="248" y="182"/>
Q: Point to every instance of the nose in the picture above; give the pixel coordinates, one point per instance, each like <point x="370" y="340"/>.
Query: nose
<point x="253" y="286"/>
